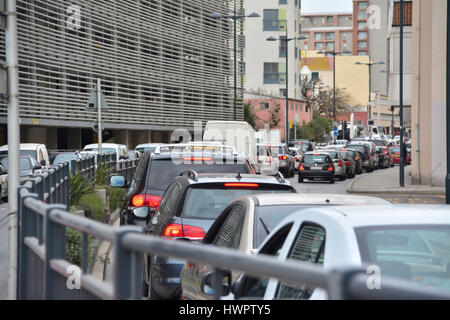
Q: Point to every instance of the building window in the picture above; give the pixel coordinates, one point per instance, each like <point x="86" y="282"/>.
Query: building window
<point x="330" y="46"/>
<point x="362" y="44"/>
<point x="283" y="1"/>
<point x="362" y="25"/>
<point x="292" y="106"/>
<point x="264" y="106"/>
<point x="318" y="36"/>
<point x="283" y="92"/>
<point x="296" y="107"/>
<point x="315" y="76"/>
<point x="362" y="5"/>
<point x="362" y="35"/>
<point x="271" y="21"/>
<point x="282" y="47"/>
<point x="329" y="36"/>
<point x="330" y="19"/>
<point x="407" y="14"/>
<point x="359" y="122"/>
<point x="318" y="46"/>
<point x="362" y="15"/>
<point x="362" y="53"/>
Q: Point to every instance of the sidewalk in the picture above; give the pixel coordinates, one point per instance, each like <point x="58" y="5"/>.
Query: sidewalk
<point x="387" y="181"/>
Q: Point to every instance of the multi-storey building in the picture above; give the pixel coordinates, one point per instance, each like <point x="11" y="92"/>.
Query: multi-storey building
<point x="360" y="28"/>
<point x="327" y="31"/>
<point x="265" y="61"/>
<point x="163" y="65"/>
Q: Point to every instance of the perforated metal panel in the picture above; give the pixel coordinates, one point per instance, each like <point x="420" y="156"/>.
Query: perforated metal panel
<point x="161" y="62"/>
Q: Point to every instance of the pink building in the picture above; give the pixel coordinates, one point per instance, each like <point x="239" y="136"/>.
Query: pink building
<point x="270" y="111"/>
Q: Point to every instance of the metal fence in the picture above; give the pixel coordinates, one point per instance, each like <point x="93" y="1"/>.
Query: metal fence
<point x="44" y="272"/>
<point x="127" y="168"/>
<point x="84" y="166"/>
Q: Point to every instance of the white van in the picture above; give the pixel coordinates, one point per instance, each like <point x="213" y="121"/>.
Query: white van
<point x="238" y="134"/>
<point x="119" y="149"/>
<point x="35" y="150"/>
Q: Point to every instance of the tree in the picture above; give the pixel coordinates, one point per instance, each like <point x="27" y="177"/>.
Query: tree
<point x="314" y="130"/>
<point x="322" y="103"/>
<point x="249" y="115"/>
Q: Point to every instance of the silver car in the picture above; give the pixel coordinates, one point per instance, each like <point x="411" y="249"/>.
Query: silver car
<point x="340" y="169"/>
<point x="260" y="215"/>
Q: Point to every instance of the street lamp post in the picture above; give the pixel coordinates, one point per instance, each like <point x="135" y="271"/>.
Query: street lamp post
<point x="334" y="54"/>
<point x="370" y="64"/>
<point x="234" y="17"/>
<point x="287" y="40"/>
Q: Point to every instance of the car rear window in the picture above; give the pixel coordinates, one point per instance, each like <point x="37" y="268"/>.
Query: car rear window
<point x="162" y="172"/>
<point x="419" y="253"/>
<point x="395" y="149"/>
<point x="379" y="143"/>
<point x="208" y="203"/>
<point x="319" y="158"/>
<point x="142" y="150"/>
<point x="360" y="148"/>
<point x="333" y="154"/>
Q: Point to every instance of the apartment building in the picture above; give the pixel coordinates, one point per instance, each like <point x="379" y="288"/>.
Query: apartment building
<point x="163" y="64"/>
<point x="265" y="61"/>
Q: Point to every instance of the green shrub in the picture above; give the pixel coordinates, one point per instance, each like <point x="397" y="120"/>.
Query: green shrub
<point x="73" y="246"/>
<point x="93" y="206"/>
<point x="115" y="195"/>
<point x="102" y="174"/>
<point x="78" y="187"/>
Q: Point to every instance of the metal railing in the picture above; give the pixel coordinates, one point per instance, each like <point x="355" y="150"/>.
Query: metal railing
<point x="84" y="166"/>
<point x="127" y="168"/>
<point x="108" y="159"/>
<point x="44" y="272"/>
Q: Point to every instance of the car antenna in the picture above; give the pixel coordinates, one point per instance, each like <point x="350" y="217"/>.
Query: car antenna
<point x="239" y="177"/>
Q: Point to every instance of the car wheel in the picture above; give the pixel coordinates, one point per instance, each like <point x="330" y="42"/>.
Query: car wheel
<point x="300" y="180"/>
<point x="342" y="178"/>
<point x="332" y="180"/>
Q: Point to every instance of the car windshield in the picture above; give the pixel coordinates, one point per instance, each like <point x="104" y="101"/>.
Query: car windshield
<point x="162" y="172"/>
<point x="209" y="203"/>
<point x="418" y="253"/>
<point x="104" y="150"/>
<point x="25" y="164"/>
<point x="145" y="149"/>
<point x="23" y="153"/>
<point x="360" y="148"/>
<point x="316" y="158"/>
<point x="64" y="158"/>
<point x="379" y="143"/>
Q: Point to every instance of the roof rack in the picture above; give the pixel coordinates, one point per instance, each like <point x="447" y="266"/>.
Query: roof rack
<point x="280" y="177"/>
<point x="192" y="174"/>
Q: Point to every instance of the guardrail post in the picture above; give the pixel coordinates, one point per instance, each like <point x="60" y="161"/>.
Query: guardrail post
<point x="73" y="167"/>
<point x="25" y="229"/>
<point x="55" y="248"/>
<point x="127" y="272"/>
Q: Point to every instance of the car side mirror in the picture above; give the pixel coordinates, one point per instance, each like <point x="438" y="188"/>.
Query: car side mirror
<point x="141" y="212"/>
<point x="36" y="167"/>
<point x="42" y="163"/>
<point x="118" y="182"/>
<point x="207" y="283"/>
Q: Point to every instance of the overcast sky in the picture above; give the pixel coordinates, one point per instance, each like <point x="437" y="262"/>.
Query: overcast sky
<point x="313" y="6"/>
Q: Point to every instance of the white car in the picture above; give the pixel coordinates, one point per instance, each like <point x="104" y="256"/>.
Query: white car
<point x="37" y="151"/>
<point x="409" y="243"/>
<point x="261" y="213"/>
<point x="119" y="149"/>
<point x="142" y="148"/>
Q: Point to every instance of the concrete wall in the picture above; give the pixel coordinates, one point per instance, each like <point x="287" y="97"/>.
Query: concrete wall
<point x="429" y="92"/>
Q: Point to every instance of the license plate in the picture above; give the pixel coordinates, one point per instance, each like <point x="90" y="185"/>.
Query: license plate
<point x="316" y="168"/>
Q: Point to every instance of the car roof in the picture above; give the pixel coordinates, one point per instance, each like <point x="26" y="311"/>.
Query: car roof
<point x="23" y="146"/>
<point x="382" y="215"/>
<point x="149" y="145"/>
<point x="310" y="198"/>
<point x="318" y="152"/>
<point x="244" y="178"/>
<point x="104" y="145"/>
<point x="178" y="155"/>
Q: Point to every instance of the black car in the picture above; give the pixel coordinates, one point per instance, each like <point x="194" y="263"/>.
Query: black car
<point x="366" y="160"/>
<point x="188" y="208"/>
<point x="155" y="172"/>
<point x="316" y="165"/>
<point x="357" y="157"/>
<point x="350" y="164"/>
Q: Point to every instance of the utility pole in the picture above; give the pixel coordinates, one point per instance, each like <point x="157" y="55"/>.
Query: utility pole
<point x="402" y="143"/>
<point x="99" y="113"/>
<point x="12" y="63"/>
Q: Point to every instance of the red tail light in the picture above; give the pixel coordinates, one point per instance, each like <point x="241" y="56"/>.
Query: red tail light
<point x="367" y="157"/>
<point x="301" y="168"/>
<point x="347" y="163"/>
<point x="331" y="168"/>
<point x="148" y="200"/>
<point x="241" y="185"/>
<point x="340" y="163"/>
<point x="357" y="158"/>
<point x="173" y="231"/>
<point x="283" y="157"/>
<point x="197" y="159"/>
